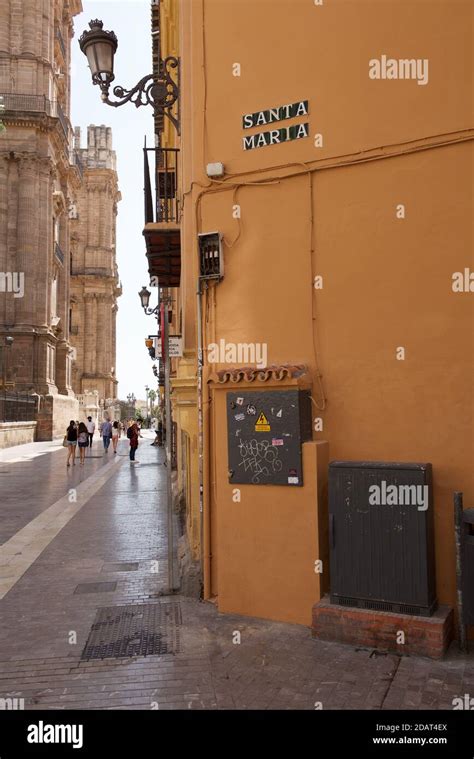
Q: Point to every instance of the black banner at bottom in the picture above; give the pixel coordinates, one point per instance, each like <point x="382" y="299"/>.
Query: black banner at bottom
<point x="139" y="733"/>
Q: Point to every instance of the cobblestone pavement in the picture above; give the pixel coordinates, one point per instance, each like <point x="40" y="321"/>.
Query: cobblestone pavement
<point x="47" y="616"/>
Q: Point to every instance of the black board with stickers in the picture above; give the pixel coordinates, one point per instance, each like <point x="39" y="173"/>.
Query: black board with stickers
<point x="265" y="431"/>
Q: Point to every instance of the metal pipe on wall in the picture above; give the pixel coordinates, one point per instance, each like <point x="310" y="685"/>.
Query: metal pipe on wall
<point x="203" y="457"/>
<point x="458" y="532"/>
<point x="164" y="309"/>
<point x="200" y="422"/>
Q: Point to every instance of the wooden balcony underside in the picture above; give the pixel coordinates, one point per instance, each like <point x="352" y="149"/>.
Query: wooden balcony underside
<point x="163" y="250"/>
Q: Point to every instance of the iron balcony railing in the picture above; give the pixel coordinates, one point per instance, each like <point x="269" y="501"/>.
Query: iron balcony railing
<point x="58" y="253"/>
<point x="34" y="103"/>
<point x="60" y="39"/>
<point x="62" y="118"/>
<point x="161" y="200"/>
<point x="76" y="160"/>
<point x="14" y="102"/>
<point x="17" y="407"/>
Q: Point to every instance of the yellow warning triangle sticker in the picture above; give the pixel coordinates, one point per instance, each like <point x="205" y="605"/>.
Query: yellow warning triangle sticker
<point x="262" y="424"/>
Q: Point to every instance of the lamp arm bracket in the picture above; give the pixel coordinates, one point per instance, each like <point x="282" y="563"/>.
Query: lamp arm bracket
<point x="161" y="92"/>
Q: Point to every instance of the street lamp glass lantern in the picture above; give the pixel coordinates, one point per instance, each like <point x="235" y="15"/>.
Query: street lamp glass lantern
<point x="99" y="47"/>
<point x="144" y="297"/>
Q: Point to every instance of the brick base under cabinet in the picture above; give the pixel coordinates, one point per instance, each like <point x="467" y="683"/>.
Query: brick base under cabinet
<point x="424" y="636"/>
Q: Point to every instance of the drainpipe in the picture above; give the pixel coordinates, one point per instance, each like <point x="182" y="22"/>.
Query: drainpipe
<point x="458" y="533"/>
<point x="166" y="356"/>
<point x="203" y="443"/>
<point x="200" y="430"/>
<point x="207" y="494"/>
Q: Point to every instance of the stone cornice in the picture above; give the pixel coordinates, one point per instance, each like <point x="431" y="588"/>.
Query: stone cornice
<point x="40" y="121"/>
<point x="75" y="7"/>
<point x="25" y="159"/>
<point x="99" y="297"/>
<point x="181" y="384"/>
<point x="55" y="167"/>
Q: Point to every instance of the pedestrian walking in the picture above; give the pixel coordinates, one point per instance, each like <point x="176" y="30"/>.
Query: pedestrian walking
<point x="83" y="441"/>
<point x="71" y="439"/>
<point x="132" y="434"/>
<point x="159" y="434"/>
<point x="115" y="435"/>
<point x="106" y="432"/>
<point x="90" y="430"/>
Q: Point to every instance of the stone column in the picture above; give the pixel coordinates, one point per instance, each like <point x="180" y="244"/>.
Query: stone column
<point x="62" y="358"/>
<point x="5" y="196"/>
<point x="89" y="332"/>
<point x="45" y="243"/>
<point x="114" y="349"/>
<point x="94" y="333"/>
<point x="103" y="349"/>
<point x="29" y="259"/>
<point x="4" y="33"/>
<point x="28" y="26"/>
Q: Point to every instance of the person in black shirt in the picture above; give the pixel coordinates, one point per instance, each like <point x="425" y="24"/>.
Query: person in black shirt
<point x="71" y="438"/>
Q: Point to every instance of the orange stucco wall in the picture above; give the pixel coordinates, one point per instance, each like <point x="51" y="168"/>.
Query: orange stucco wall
<point x="386" y="281"/>
<point x="266" y="544"/>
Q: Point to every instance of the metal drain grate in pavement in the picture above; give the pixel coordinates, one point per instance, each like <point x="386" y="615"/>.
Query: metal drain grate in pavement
<point x="121" y="566"/>
<point x="134" y="630"/>
<point x="96" y="587"/>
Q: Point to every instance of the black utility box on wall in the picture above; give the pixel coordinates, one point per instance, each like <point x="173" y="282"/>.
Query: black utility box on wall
<point x="381" y="536"/>
<point x="265" y="431"/>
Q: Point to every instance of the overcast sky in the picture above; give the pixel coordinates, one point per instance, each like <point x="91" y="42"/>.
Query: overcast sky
<point x="131" y="21"/>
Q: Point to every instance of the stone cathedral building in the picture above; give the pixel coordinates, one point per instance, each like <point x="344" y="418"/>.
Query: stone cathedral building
<point x="50" y="191"/>
<point x="94" y="275"/>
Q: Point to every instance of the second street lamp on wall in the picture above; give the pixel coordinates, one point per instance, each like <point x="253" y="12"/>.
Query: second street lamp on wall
<point x="161" y="91"/>
<point x="144" y="296"/>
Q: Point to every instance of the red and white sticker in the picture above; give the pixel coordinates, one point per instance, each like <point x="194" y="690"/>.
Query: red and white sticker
<point x="278" y="441"/>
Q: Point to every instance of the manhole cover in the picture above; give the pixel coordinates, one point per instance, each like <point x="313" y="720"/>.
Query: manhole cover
<point x="96" y="587"/>
<point x="124" y="566"/>
<point x="134" y="630"/>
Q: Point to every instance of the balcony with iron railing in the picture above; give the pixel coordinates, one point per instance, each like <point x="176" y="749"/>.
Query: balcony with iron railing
<point x="58" y="253"/>
<point x="62" y="119"/>
<point x="16" y="103"/>
<point x="60" y="40"/>
<point x="162" y="215"/>
<point x="76" y="160"/>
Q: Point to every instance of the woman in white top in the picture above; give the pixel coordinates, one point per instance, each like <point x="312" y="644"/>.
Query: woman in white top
<point x="115" y="435"/>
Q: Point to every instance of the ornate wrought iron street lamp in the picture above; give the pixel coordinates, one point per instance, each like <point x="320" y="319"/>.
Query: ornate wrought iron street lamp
<point x="145" y="295"/>
<point x="161" y="91"/>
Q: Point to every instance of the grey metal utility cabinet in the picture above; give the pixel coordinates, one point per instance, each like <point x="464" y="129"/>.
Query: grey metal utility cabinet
<point x="381" y="536"/>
